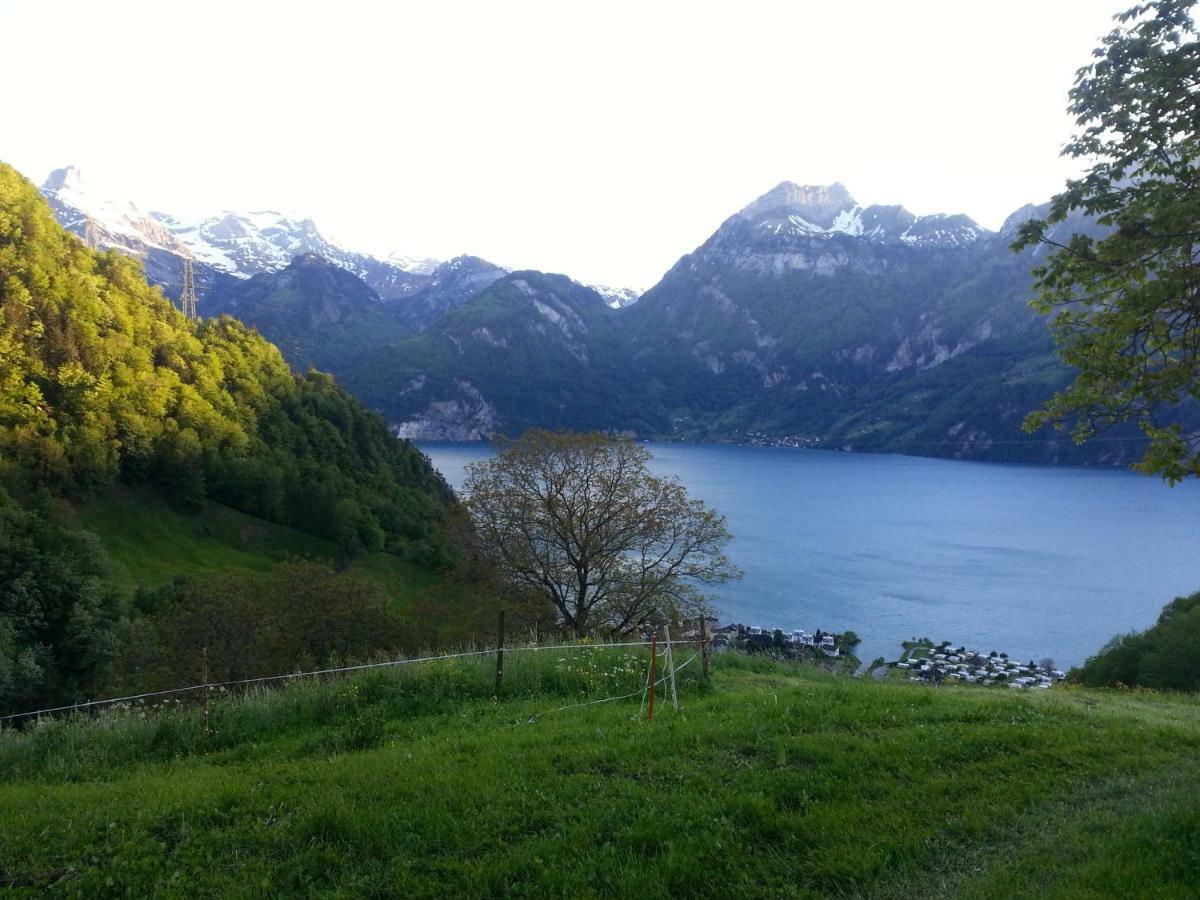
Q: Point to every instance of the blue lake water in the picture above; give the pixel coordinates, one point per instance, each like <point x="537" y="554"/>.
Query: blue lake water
<point x="1034" y="561"/>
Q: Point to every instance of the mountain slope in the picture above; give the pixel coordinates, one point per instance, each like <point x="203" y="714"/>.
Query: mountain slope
<point x="103" y="378"/>
<point x="810" y="319"/>
<point x="103" y="382"/>
<point x="450" y="284"/>
<point x="806" y="319"/>
<point x="530" y="349"/>
<point x="318" y="313"/>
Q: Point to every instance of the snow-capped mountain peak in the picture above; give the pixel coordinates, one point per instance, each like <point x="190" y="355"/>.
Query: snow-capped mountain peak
<point x="101" y="220"/>
<point x="65" y="180"/>
<point x="805" y="208"/>
<point x="424" y="266"/>
<point x="792" y="210"/>
<point x="237" y="243"/>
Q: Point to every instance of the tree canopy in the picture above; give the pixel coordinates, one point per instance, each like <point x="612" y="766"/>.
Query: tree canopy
<point x="101" y="378"/>
<point x="579" y="519"/>
<point x="1126" y="303"/>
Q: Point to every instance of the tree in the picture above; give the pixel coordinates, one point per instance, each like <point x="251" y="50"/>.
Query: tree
<point x="59" y="613"/>
<point x="580" y="519"/>
<point x="1165" y="656"/>
<point x="1126" y="303"/>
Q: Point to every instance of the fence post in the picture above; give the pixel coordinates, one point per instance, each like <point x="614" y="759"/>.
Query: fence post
<point x="653" y="657"/>
<point x="500" y="653"/>
<point x="207" y="689"/>
<point x="670" y="661"/>
<point x="704" y="644"/>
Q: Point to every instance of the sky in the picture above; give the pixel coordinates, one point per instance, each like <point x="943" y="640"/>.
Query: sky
<point x="602" y="140"/>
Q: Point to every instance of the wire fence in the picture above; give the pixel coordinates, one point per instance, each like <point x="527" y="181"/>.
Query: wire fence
<point x="336" y="670"/>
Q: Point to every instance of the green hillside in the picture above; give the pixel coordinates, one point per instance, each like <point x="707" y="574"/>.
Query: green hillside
<point x="150" y="544"/>
<point x="773" y="781"/>
<point x="169" y="485"/>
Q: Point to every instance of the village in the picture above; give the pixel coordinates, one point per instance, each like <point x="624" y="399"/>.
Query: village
<point x="923" y="661"/>
<point x="831" y="649"/>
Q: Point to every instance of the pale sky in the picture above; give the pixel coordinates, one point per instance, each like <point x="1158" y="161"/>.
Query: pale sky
<point x="602" y="140"/>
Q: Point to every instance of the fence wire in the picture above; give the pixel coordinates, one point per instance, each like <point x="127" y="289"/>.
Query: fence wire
<point x="391" y="663"/>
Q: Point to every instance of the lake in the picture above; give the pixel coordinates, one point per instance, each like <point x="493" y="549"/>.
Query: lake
<point x="1034" y="561"/>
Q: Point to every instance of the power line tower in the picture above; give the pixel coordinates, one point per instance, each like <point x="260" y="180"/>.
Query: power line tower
<point x="187" y="298"/>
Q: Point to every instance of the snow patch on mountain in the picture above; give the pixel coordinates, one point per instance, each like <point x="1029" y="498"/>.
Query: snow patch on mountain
<point x="617" y="298"/>
<point x="103" y="221"/>
<point x="241" y="244"/>
<point x="824" y="211"/>
<point x="426" y="266"/>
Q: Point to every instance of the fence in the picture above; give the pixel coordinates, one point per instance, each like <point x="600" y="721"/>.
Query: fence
<point x="206" y="688"/>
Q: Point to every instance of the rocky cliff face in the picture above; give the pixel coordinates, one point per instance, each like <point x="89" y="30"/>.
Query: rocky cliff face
<point x="465" y="416"/>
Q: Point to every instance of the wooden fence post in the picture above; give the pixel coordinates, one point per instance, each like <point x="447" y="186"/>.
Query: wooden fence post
<point x="653" y="657"/>
<point x="670" y="662"/>
<point x="500" y="653"/>
<point x="207" y="689"/>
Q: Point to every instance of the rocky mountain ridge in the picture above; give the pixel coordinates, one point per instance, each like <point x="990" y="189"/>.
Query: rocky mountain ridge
<point x="236" y="244"/>
<point x="806" y="319"/>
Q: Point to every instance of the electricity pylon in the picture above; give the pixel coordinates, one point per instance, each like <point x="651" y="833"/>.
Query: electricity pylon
<point x="187" y="298"/>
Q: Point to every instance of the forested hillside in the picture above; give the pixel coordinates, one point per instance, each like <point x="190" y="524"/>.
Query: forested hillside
<point x="101" y="378"/>
<point x="103" y="382"/>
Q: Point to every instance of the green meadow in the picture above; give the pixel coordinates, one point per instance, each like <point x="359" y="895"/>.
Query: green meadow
<point x="150" y="544"/>
<point x="771" y="780"/>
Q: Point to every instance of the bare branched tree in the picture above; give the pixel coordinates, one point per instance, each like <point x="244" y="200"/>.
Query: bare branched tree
<point x="580" y="519"/>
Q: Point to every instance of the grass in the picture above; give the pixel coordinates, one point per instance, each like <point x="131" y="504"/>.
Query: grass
<point x="150" y="544"/>
<point x="772" y="781"/>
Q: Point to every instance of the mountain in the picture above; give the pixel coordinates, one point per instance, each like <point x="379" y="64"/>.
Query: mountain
<point x="790" y="211"/>
<point x="103" y="222"/>
<point x="530" y="349"/>
<point x="103" y="379"/>
<point x="617" y="298"/>
<point x="806" y="319"/>
<point x="317" y="312"/>
<point x="449" y="285"/>
<point x="247" y="244"/>
<point x="107" y="224"/>
<point x="809" y="319"/>
<point x="234" y="245"/>
<point x="324" y="315"/>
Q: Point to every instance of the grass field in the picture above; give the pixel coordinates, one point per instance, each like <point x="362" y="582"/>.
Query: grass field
<point x="771" y="781"/>
<point x="150" y="544"/>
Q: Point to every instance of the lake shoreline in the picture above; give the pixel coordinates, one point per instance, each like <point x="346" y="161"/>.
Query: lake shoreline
<point x="1039" y="559"/>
